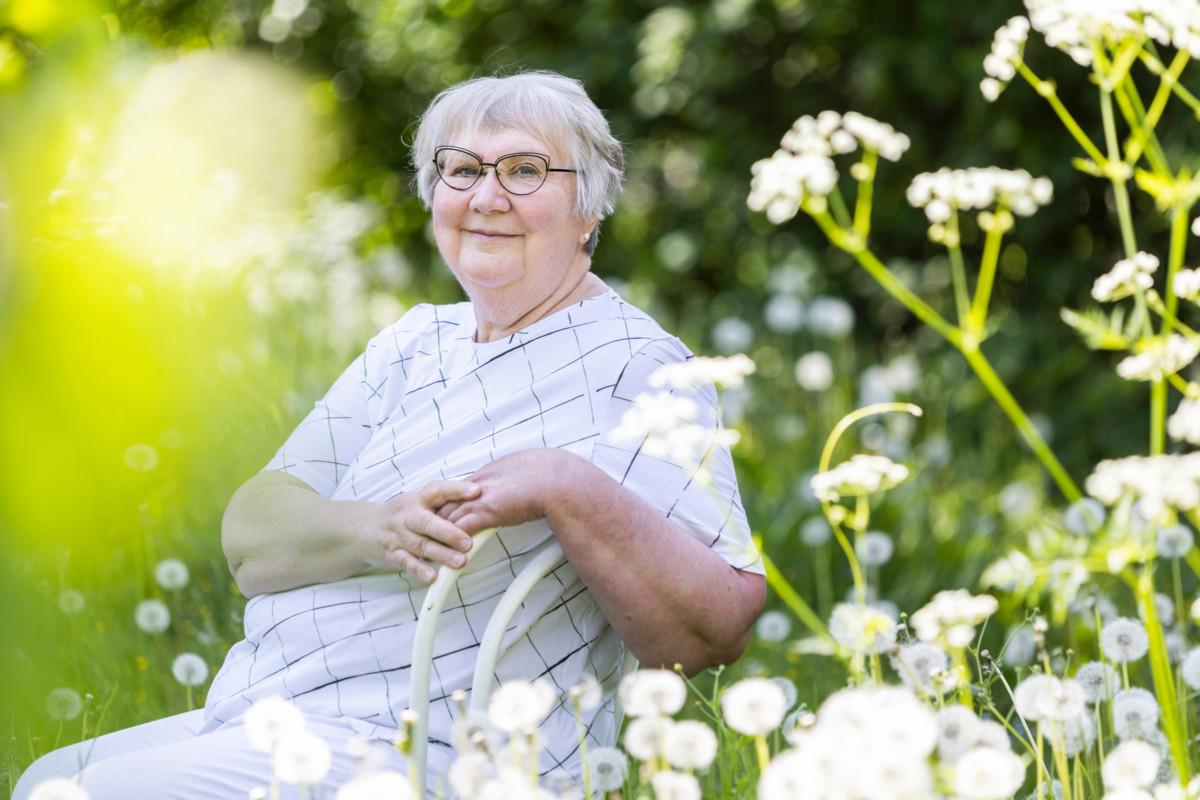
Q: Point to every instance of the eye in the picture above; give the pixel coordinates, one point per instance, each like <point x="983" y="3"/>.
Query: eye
<point x="464" y="170"/>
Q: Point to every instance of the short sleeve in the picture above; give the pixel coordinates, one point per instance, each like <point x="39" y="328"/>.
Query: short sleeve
<point x="325" y="443"/>
<point x="700" y="494"/>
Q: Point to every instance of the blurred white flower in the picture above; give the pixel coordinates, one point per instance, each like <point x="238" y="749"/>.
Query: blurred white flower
<point x="1189" y="670"/>
<point x="1018" y="500"/>
<point x="987" y="773"/>
<point x="1012" y="572"/>
<point x="773" y="626"/>
<point x="189" y="669"/>
<point x="64" y="704"/>
<point x="956" y="732"/>
<point x="1131" y="765"/>
<point x="1128" y="276"/>
<point x="1000" y="62"/>
<point x="1187" y="284"/>
<point x="301" y="757"/>
<point x="59" y="789"/>
<point x="171" y="573"/>
<point x="1158" y="483"/>
<point x="784" y="313"/>
<point x="152" y="616"/>
<point x="377" y="786"/>
<point x="790" y="776"/>
<point x="645" y="736"/>
<point x="732" y="335"/>
<point x="586" y="693"/>
<point x="670" y="785"/>
<point x="1025" y="696"/>
<point x="859" y="475"/>
<point x="690" y="745"/>
<point x="1060" y="700"/>
<point x="920" y="666"/>
<point x="814" y="371"/>
<point x="665" y="427"/>
<point x="468" y="773"/>
<point x="141" y="457"/>
<point x="790" y="693"/>
<point x="71" y="601"/>
<point x="520" y="706"/>
<point x="1184" y="424"/>
<point x="753" y="706"/>
<point x="269" y="720"/>
<point x="951" y="616"/>
<point x="1159" y="358"/>
<point x="1135" y="713"/>
<point x="1124" y="640"/>
<point x="980" y="188"/>
<point x="815" y="531"/>
<point x="608" y="766"/>
<point x="862" y="629"/>
<point x="830" y="316"/>
<point x="1084" y="516"/>
<point x="1174" y="541"/>
<point x="652" y="692"/>
<point x="1099" y="680"/>
<point x="874" y="548"/>
<point x="724" y="372"/>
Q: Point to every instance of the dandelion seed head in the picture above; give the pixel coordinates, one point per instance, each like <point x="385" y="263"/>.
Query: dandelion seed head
<point x="1189" y="670"/>
<point x="301" y="757"/>
<point x="520" y="706"/>
<point x="773" y="626"/>
<point x="269" y="720"/>
<point x="644" y="737"/>
<point x="690" y="745"/>
<point x="1099" y="680"/>
<point x="956" y="732"/>
<point x="1084" y="516"/>
<point x="814" y="371"/>
<point x="469" y="772"/>
<point x="189" y="669"/>
<point x="987" y="773"/>
<point x="918" y="664"/>
<point x="652" y="692"/>
<point x="753" y="706"/>
<point x="1135" y="713"/>
<point x="732" y="335"/>
<point x="152" y="616"/>
<point x="830" y="316"/>
<point x="608" y="766"/>
<point x="861" y="628"/>
<point x="1130" y="765"/>
<point x="874" y="548"/>
<point x="1174" y="541"/>
<point x="64" y="704"/>
<point x="375" y="785"/>
<point x="171" y="574"/>
<point x="1124" y="640"/>
<point x="71" y="601"/>
<point x="59" y="789"/>
<point x="815" y="531"/>
<point x="587" y="693"/>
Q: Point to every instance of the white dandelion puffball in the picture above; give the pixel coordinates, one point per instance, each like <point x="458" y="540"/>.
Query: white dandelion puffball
<point x="753" y="706"/>
<point x="520" y="706"/>
<point x="152" y="616"/>
<point x="773" y="626"/>
<point x="830" y="316"/>
<point x="302" y="758"/>
<point x="469" y="772"/>
<point x="1060" y="700"/>
<point x="587" y="693"/>
<point x="644" y="737"/>
<point x="790" y="693"/>
<point x="690" y="745"/>
<point x="987" y="773"/>
<point x="1020" y="648"/>
<point x="59" y="789"/>
<point x="670" y="785"/>
<point x="1084" y="516"/>
<point x="1174" y="541"/>
<point x="1131" y="765"/>
<point x="652" y="692"/>
<point x="815" y="531"/>
<point x="951" y="616"/>
<point x="189" y="669"/>
<point x="862" y="629"/>
<point x="732" y="335"/>
<point x="791" y="776"/>
<point x="784" y="313"/>
<point x="1190" y="670"/>
<point x="1124" y="640"/>
<point x="919" y="665"/>
<point x="269" y="720"/>
<point x="814" y="371"/>
<point x="377" y="785"/>
<point x="874" y="548"/>
<point x="1100" y="681"/>
<point x="71" y="601"/>
<point x="608" y="766"/>
<point x="1025" y="696"/>
<point x="956" y="732"/>
<point x="1135" y="713"/>
<point x="171" y="574"/>
<point x="64" y="704"/>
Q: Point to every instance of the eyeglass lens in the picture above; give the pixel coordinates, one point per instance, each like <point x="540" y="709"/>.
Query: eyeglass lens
<point x="519" y="173"/>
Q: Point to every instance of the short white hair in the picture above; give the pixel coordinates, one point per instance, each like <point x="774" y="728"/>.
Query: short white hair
<point x="552" y="107"/>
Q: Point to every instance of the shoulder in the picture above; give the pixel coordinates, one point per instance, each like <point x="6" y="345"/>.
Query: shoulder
<point x="423" y="321"/>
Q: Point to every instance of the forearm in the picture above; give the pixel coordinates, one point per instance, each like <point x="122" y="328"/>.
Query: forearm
<point x="279" y="534"/>
<point x="669" y="597"/>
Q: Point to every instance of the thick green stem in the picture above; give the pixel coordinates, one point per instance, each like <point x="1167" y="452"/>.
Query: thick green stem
<point x="1158" y="389"/>
<point x="866" y="187"/>
<point x="987" y="273"/>
<point x="1164" y="682"/>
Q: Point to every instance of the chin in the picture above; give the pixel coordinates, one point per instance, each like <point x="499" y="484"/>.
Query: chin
<point x="488" y="277"/>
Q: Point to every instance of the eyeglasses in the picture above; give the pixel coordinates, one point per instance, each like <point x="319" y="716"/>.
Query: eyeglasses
<point x="518" y="173"/>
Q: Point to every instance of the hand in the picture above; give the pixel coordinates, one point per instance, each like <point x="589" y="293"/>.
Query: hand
<point x="407" y="532"/>
<point x="512" y="490"/>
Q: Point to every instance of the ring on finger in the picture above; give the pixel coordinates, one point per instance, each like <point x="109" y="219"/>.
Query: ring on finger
<point x="421" y="548"/>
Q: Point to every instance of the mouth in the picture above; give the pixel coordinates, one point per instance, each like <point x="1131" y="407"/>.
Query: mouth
<point x="490" y="235"/>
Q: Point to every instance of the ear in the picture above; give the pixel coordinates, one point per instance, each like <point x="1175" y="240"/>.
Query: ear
<point x="587" y="233"/>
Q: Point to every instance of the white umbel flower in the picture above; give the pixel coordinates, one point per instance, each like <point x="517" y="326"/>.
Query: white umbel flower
<point x="377" y="786"/>
<point x="608" y="766"/>
<point x="690" y="745"/>
<point x="1184" y="424"/>
<point x="171" y="574"/>
<point x="59" y="789"/>
<point x="1131" y="765"/>
<point x="951" y="616"/>
<point x="1124" y="640"/>
<point x="987" y="773"/>
<point x="753" y="706"/>
<point x="152" y="616"/>
<point x="1187" y="285"/>
<point x="269" y="720"/>
<point x="1159" y="358"/>
<point x="520" y="706"/>
<point x="302" y="758"/>
<point x="862" y="629"/>
<point x="1128" y="276"/>
<point x="860" y="475"/>
<point x="652" y="692"/>
<point x="724" y="372"/>
<point x="1157" y="483"/>
<point x="1000" y="62"/>
<point x="189" y="669"/>
<point x="978" y="188"/>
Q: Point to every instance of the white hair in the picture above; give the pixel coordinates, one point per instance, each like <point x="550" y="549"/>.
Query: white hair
<point x="552" y="107"/>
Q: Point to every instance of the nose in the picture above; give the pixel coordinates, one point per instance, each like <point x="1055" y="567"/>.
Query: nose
<point x="487" y="195"/>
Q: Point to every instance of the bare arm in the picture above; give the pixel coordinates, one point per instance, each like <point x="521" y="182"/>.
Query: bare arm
<point x="279" y="534"/>
<point x="669" y="597"/>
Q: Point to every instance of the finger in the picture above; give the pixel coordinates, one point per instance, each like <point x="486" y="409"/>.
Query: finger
<point x="439" y="493"/>
<point x="408" y="563"/>
<point x="474" y="521"/>
<point x="427" y="549"/>
<point x="445" y="511"/>
<point x="425" y="522"/>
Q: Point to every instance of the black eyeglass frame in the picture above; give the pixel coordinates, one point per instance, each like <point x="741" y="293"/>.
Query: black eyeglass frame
<point x="437" y="168"/>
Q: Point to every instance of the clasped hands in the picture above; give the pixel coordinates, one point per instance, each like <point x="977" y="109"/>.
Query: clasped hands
<point x="417" y="530"/>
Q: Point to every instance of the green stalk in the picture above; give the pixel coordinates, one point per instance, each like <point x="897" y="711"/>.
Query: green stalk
<point x="963" y="677"/>
<point x="958" y="272"/>
<point x="1047" y="90"/>
<point x="1157" y="106"/>
<point x="1179" y="90"/>
<point x="860" y="588"/>
<point x="1120" y="194"/>
<point x="866" y="188"/>
<point x="1174" y="262"/>
<point x="1164" y="682"/>
<point x="987" y="272"/>
<point x="794" y="601"/>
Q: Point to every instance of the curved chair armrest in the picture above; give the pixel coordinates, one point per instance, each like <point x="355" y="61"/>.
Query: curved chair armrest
<point x="422" y="660"/>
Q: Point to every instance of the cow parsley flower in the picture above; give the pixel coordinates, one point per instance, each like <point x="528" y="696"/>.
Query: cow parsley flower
<point x="64" y="704"/>
<point x="608" y="766"/>
<point x="1184" y="424"/>
<point x="860" y="475"/>
<point x="189" y="669"/>
<point x="951" y="616"/>
<point x="171" y="574"/>
<point x="1128" y="276"/>
<point x="1159" y="358"/>
<point x="861" y="628"/>
<point x="753" y="706"/>
<point x="520" y="706"/>
<point x="1073" y="25"/>
<point x="1186" y="285"/>
<point x="987" y="773"/>
<point x="1135" y="713"/>
<point x="773" y="626"/>
<point x="652" y="692"/>
<point x="724" y="372"/>
<point x="1000" y="62"/>
<point x="1099" y="680"/>
<point x="690" y="745"/>
<point x="152" y="616"/>
<point x="1124" y="640"/>
<point x="978" y="188"/>
<point x="1157" y="483"/>
<point x="1131" y="765"/>
<point x="301" y="758"/>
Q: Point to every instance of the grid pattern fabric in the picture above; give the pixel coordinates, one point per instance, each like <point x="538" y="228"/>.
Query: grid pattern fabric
<point x="425" y="402"/>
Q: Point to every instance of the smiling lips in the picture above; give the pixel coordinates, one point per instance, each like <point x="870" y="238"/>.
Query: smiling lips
<point x="491" y="234"/>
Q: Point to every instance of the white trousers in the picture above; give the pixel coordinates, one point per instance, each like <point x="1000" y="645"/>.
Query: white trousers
<point x="167" y="760"/>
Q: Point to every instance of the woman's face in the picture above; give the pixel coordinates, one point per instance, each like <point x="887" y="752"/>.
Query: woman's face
<point x="518" y="246"/>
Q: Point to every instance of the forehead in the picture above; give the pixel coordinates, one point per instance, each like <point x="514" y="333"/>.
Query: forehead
<point x="491" y="143"/>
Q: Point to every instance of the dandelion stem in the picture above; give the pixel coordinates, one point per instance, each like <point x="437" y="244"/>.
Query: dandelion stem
<point x="764" y="755"/>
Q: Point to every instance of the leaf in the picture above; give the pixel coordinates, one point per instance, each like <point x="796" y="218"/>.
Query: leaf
<point x="1099" y="330"/>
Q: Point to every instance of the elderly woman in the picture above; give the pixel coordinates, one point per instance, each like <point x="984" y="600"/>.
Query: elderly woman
<point x="498" y="412"/>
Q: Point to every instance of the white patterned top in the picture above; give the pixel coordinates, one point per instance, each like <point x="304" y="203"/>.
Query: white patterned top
<point x="425" y="402"/>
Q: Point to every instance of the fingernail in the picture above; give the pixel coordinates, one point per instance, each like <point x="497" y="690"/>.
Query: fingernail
<point x="459" y="561"/>
<point x="472" y="487"/>
<point x="465" y="544"/>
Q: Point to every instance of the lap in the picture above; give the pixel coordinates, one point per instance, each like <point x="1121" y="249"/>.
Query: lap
<point x="167" y="760"/>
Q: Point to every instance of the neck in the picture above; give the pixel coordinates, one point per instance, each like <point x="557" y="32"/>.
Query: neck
<point x="496" y="319"/>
